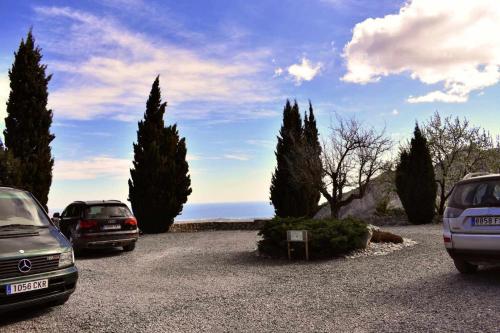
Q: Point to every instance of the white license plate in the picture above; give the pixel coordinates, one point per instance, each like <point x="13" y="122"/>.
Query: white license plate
<point x="487" y="220"/>
<point x="111" y="227"/>
<point x="24" y="287"/>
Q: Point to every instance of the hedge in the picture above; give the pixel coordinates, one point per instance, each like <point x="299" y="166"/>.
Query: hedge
<point x="329" y="238"/>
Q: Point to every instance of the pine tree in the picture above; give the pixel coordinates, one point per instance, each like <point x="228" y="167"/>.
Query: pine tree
<point x="313" y="149"/>
<point x="287" y="195"/>
<point x="27" y="126"/>
<point x="415" y="180"/>
<point x="160" y="181"/>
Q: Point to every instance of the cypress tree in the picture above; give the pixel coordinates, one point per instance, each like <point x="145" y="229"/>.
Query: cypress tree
<point x="9" y="168"/>
<point x="415" y="180"/>
<point x="160" y="181"/>
<point x="27" y="126"/>
<point x="286" y="194"/>
<point x="313" y="149"/>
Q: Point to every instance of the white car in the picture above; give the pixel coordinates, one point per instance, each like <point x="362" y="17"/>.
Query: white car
<point x="471" y="222"/>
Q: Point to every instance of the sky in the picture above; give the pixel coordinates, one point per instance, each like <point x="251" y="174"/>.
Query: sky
<point x="226" y="69"/>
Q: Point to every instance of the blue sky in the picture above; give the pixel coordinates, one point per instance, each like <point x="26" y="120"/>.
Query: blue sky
<point x="226" y="68"/>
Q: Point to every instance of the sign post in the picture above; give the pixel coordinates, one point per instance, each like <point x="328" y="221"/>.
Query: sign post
<point x="297" y="236"/>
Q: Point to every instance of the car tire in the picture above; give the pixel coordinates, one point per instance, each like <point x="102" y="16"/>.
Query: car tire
<point x="129" y="247"/>
<point x="465" y="267"/>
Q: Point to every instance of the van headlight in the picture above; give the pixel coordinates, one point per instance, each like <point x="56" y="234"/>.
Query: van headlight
<point x="66" y="259"/>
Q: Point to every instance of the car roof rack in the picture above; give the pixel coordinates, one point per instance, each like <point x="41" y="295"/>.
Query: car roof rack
<point x="475" y="174"/>
<point x="95" y="201"/>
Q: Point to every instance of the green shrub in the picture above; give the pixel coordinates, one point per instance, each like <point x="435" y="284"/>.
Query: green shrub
<point x="328" y="237"/>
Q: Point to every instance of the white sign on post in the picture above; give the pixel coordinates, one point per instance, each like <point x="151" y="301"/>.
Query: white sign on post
<point x="296" y="236"/>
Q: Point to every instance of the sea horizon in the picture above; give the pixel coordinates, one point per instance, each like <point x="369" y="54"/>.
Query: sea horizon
<point x="219" y="211"/>
<point x="223" y="211"/>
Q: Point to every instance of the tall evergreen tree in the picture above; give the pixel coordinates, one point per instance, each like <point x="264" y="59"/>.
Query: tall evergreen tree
<point x="286" y="193"/>
<point x="160" y="181"/>
<point x="415" y="180"/>
<point x="313" y="155"/>
<point x="9" y="168"/>
<point x="27" y="126"/>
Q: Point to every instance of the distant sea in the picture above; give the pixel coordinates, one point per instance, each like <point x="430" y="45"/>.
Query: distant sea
<point x="219" y="211"/>
<point x="225" y="211"/>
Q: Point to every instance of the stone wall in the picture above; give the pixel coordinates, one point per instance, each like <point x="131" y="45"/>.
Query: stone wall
<point x="214" y="226"/>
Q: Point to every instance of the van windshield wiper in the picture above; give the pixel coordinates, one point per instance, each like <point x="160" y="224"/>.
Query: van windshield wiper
<point x="14" y="225"/>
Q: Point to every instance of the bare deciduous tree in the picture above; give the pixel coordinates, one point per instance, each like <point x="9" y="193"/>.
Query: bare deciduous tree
<point x="457" y="148"/>
<point x="352" y="156"/>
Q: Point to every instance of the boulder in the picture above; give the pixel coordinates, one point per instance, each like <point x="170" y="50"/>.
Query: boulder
<point x="379" y="236"/>
<point x="380" y="189"/>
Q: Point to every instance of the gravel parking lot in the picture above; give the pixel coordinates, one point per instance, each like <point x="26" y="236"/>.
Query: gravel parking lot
<point x="213" y="281"/>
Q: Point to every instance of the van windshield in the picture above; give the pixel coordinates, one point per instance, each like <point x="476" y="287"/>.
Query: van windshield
<point x="17" y="208"/>
<point x="484" y="193"/>
<point x="107" y="211"/>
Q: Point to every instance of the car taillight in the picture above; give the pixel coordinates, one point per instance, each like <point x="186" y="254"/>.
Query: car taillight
<point x="447" y="239"/>
<point x="87" y="224"/>
<point x="451" y="212"/>
<point x="131" y="221"/>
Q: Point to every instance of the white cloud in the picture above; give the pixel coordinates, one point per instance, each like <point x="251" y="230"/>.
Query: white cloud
<point x="305" y="71"/>
<point x="236" y="156"/>
<point x="92" y="168"/>
<point x="278" y="71"/>
<point x="395" y="112"/>
<point x="451" y="42"/>
<point x="261" y="143"/>
<point x="108" y="69"/>
<point x="193" y="157"/>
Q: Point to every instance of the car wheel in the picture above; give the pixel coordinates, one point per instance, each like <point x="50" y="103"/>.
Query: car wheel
<point x="129" y="247"/>
<point x="464" y="267"/>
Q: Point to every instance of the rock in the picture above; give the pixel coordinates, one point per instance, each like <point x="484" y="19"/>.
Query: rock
<point x="380" y="188"/>
<point x="379" y="236"/>
<point x="368" y="237"/>
<point x="371" y="228"/>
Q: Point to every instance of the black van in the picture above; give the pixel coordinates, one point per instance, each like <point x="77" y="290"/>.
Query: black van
<point x="36" y="260"/>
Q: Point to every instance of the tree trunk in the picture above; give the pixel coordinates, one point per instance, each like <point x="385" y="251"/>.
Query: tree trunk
<point x="442" y="201"/>
<point x="334" y="210"/>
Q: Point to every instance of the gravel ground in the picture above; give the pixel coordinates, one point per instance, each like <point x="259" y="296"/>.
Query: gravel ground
<point x="213" y="281"/>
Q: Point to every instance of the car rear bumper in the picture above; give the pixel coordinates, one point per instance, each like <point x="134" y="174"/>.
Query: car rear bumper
<point x="475" y="247"/>
<point x="62" y="283"/>
<point x="475" y="256"/>
<point x="476" y="242"/>
<point x="105" y="240"/>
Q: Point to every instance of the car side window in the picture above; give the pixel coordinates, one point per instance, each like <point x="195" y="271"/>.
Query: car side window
<point x="72" y="211"/>
<point x="78" y="211"/>
<point x="65" y="213"/>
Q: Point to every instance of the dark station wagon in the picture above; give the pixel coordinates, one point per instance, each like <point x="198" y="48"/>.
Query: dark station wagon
<point x="99" y="224"/>
<point x="36" y="260"/>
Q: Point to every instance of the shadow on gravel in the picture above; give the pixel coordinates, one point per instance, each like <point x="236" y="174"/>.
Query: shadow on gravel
<point x="99" y="253"/>
<point x="447" y="288"/>
<point x="24" y="314"/>
<point x="253" y="259"/>
<point x="440" y="302"/>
